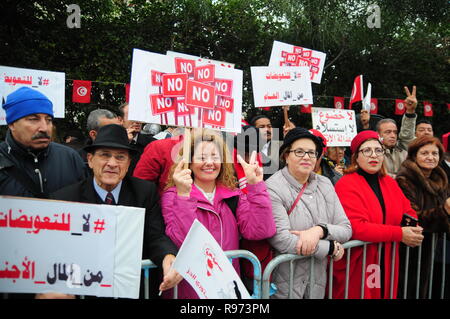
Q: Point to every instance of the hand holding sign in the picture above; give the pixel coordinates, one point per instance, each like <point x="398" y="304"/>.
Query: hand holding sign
<point x="252" y="170"/>
<point x="411" y="100"/>
<point x="182" y="179"/>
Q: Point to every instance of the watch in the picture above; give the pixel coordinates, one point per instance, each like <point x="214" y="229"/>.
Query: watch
<point x="325" y="230"/>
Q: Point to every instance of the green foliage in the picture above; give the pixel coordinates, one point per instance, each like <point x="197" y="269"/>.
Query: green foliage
<point x="410" y="48"/>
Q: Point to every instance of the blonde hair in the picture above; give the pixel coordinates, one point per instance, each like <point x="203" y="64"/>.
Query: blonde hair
<point x="226" y="175"/>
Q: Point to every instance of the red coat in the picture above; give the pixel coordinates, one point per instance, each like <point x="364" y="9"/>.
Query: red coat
<point x="364" y="211"/>
<point x="157" y="159"/>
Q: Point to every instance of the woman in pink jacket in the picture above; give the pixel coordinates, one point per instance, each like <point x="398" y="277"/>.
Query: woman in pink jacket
<point x="205" y="192"/>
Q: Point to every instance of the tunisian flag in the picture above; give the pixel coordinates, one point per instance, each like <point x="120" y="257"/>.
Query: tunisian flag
<point x="373" y="106"/>
<point x="81" y="91"/>
<point x="305" y="108"/>
<point x="357" y="91"/>
<point x="427" y="108"/>
<point x="399" y="107"/>
<point x="338" y="102"/>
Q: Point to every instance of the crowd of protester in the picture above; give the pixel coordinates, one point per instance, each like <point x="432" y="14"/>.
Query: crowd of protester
<point x="268" y="191"/>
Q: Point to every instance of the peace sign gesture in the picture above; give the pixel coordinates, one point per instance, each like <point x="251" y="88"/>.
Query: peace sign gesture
<point x="411" y="100"/>
<point x="252" y="170"/>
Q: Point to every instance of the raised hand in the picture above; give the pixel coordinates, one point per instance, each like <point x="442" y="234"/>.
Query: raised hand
<point x="252" y="171"/>
<point x="182" y="179"/>
<point x="411" y="100"/>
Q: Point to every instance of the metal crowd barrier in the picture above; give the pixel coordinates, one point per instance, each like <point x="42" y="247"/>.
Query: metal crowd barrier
<point x="274" y="263"/>
<point x="232" y="254"/>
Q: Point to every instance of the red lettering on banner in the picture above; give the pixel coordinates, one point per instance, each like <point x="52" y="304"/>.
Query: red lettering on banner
<point x="182" y="108"/>
<point x="204" y="73"/>
<point x="298" y="50"/>
<point x="225" y="102"/>
<point x="174" y="84"/>
<point x="291" y="57"/>
<point x="215" y="117"/>
<point x="184" y="66"/>
<point x="156" y="78"/>
<point x="199" y="94"/>
<point x="283" y="54"/>
<point x="303" y="62"/>
<point x="224" y="87"/>
<point x="314" y="69"/>
<point x="307" y="54"/>
<point x="161" y="104"/>
<point x="315" y="61"/>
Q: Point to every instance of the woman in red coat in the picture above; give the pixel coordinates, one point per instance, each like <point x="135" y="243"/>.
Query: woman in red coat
<point x="375" y="205"/>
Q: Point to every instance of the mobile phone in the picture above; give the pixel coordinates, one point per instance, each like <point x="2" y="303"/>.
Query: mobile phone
<point x="409" y="221"/>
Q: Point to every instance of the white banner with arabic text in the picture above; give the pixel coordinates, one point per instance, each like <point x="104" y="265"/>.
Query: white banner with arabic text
<point x="73" y="248"/>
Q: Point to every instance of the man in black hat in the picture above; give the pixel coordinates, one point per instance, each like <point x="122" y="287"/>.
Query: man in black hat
<point x="109" y="157"/>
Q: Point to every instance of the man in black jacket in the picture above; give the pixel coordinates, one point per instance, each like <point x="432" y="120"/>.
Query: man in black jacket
<point x="109" y="157"/>
<point x="30" y="164"/>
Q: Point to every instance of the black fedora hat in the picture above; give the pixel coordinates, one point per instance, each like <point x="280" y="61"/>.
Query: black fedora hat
<point x="111" y="136"/>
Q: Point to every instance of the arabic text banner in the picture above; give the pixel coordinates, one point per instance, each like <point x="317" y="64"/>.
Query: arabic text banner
<point x="338" y="126"/>
<point x="281" y="86"/>
<point x="51" y="84"/>
<point x="179" y="91"/>
<point x="205" y="266"/>
<point x="73" y="248"/>
<point x="284" y="54"/>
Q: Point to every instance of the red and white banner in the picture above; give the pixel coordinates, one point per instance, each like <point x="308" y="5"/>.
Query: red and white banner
<point x="51" y="84"/>
<point x="203" y="264"/>
<point x="337" y="126"/>
<point x="275" y="86"/>
<point x="81" y="92"/>
<point x="357" y="91"/>
<point x="183" y="90"/>
<point x="427" y="109"/>
<point x="373" y="106"/>
<point x="284" y="54"/>
<point x="54" y="245"/>
<point x="400" y="107"/>
<point x="338" y="102"/>
<point x="305" y="108"/>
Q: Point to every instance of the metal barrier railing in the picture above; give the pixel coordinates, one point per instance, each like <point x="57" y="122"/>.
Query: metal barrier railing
<point x="232" y="254"/>
<point x="274" y="263"/>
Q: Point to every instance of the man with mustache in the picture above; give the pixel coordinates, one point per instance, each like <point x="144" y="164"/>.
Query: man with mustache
<point x="30" y="164"/>
<point x="396" y="143"/>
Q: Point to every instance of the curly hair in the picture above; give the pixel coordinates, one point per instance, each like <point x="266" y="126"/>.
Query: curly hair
<point x="226" y="175"/>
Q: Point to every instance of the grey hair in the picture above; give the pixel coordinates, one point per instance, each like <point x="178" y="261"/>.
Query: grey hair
<point x="383" y="121"/>
<point x="93" y="120"/>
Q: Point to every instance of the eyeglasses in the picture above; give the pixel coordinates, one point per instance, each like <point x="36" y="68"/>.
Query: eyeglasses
<point x="106" y="156"/>
<point x="367" y="152"/>
<point x="302" y="153"/>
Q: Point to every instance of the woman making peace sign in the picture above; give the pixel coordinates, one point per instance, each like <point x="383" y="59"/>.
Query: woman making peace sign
<point x="205" y="192"/>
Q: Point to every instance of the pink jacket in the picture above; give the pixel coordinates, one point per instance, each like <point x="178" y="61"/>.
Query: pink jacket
<point x="254" y="219"/>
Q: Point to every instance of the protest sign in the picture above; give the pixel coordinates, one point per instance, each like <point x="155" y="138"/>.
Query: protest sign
<point x="51" y="84"/>
<point x="73" y="248"/>
<point x="284" y="54"/>
<point x="204" y="265"/>
<point x="281" y="86"/>
<point x="338" y="126"/>
<point x="183" y="90"/>
<point x="199" y="60"/>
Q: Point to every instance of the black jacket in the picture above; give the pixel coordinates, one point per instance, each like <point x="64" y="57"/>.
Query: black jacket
<point x="136" y="193"/>
<point x="49" y="170"/>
